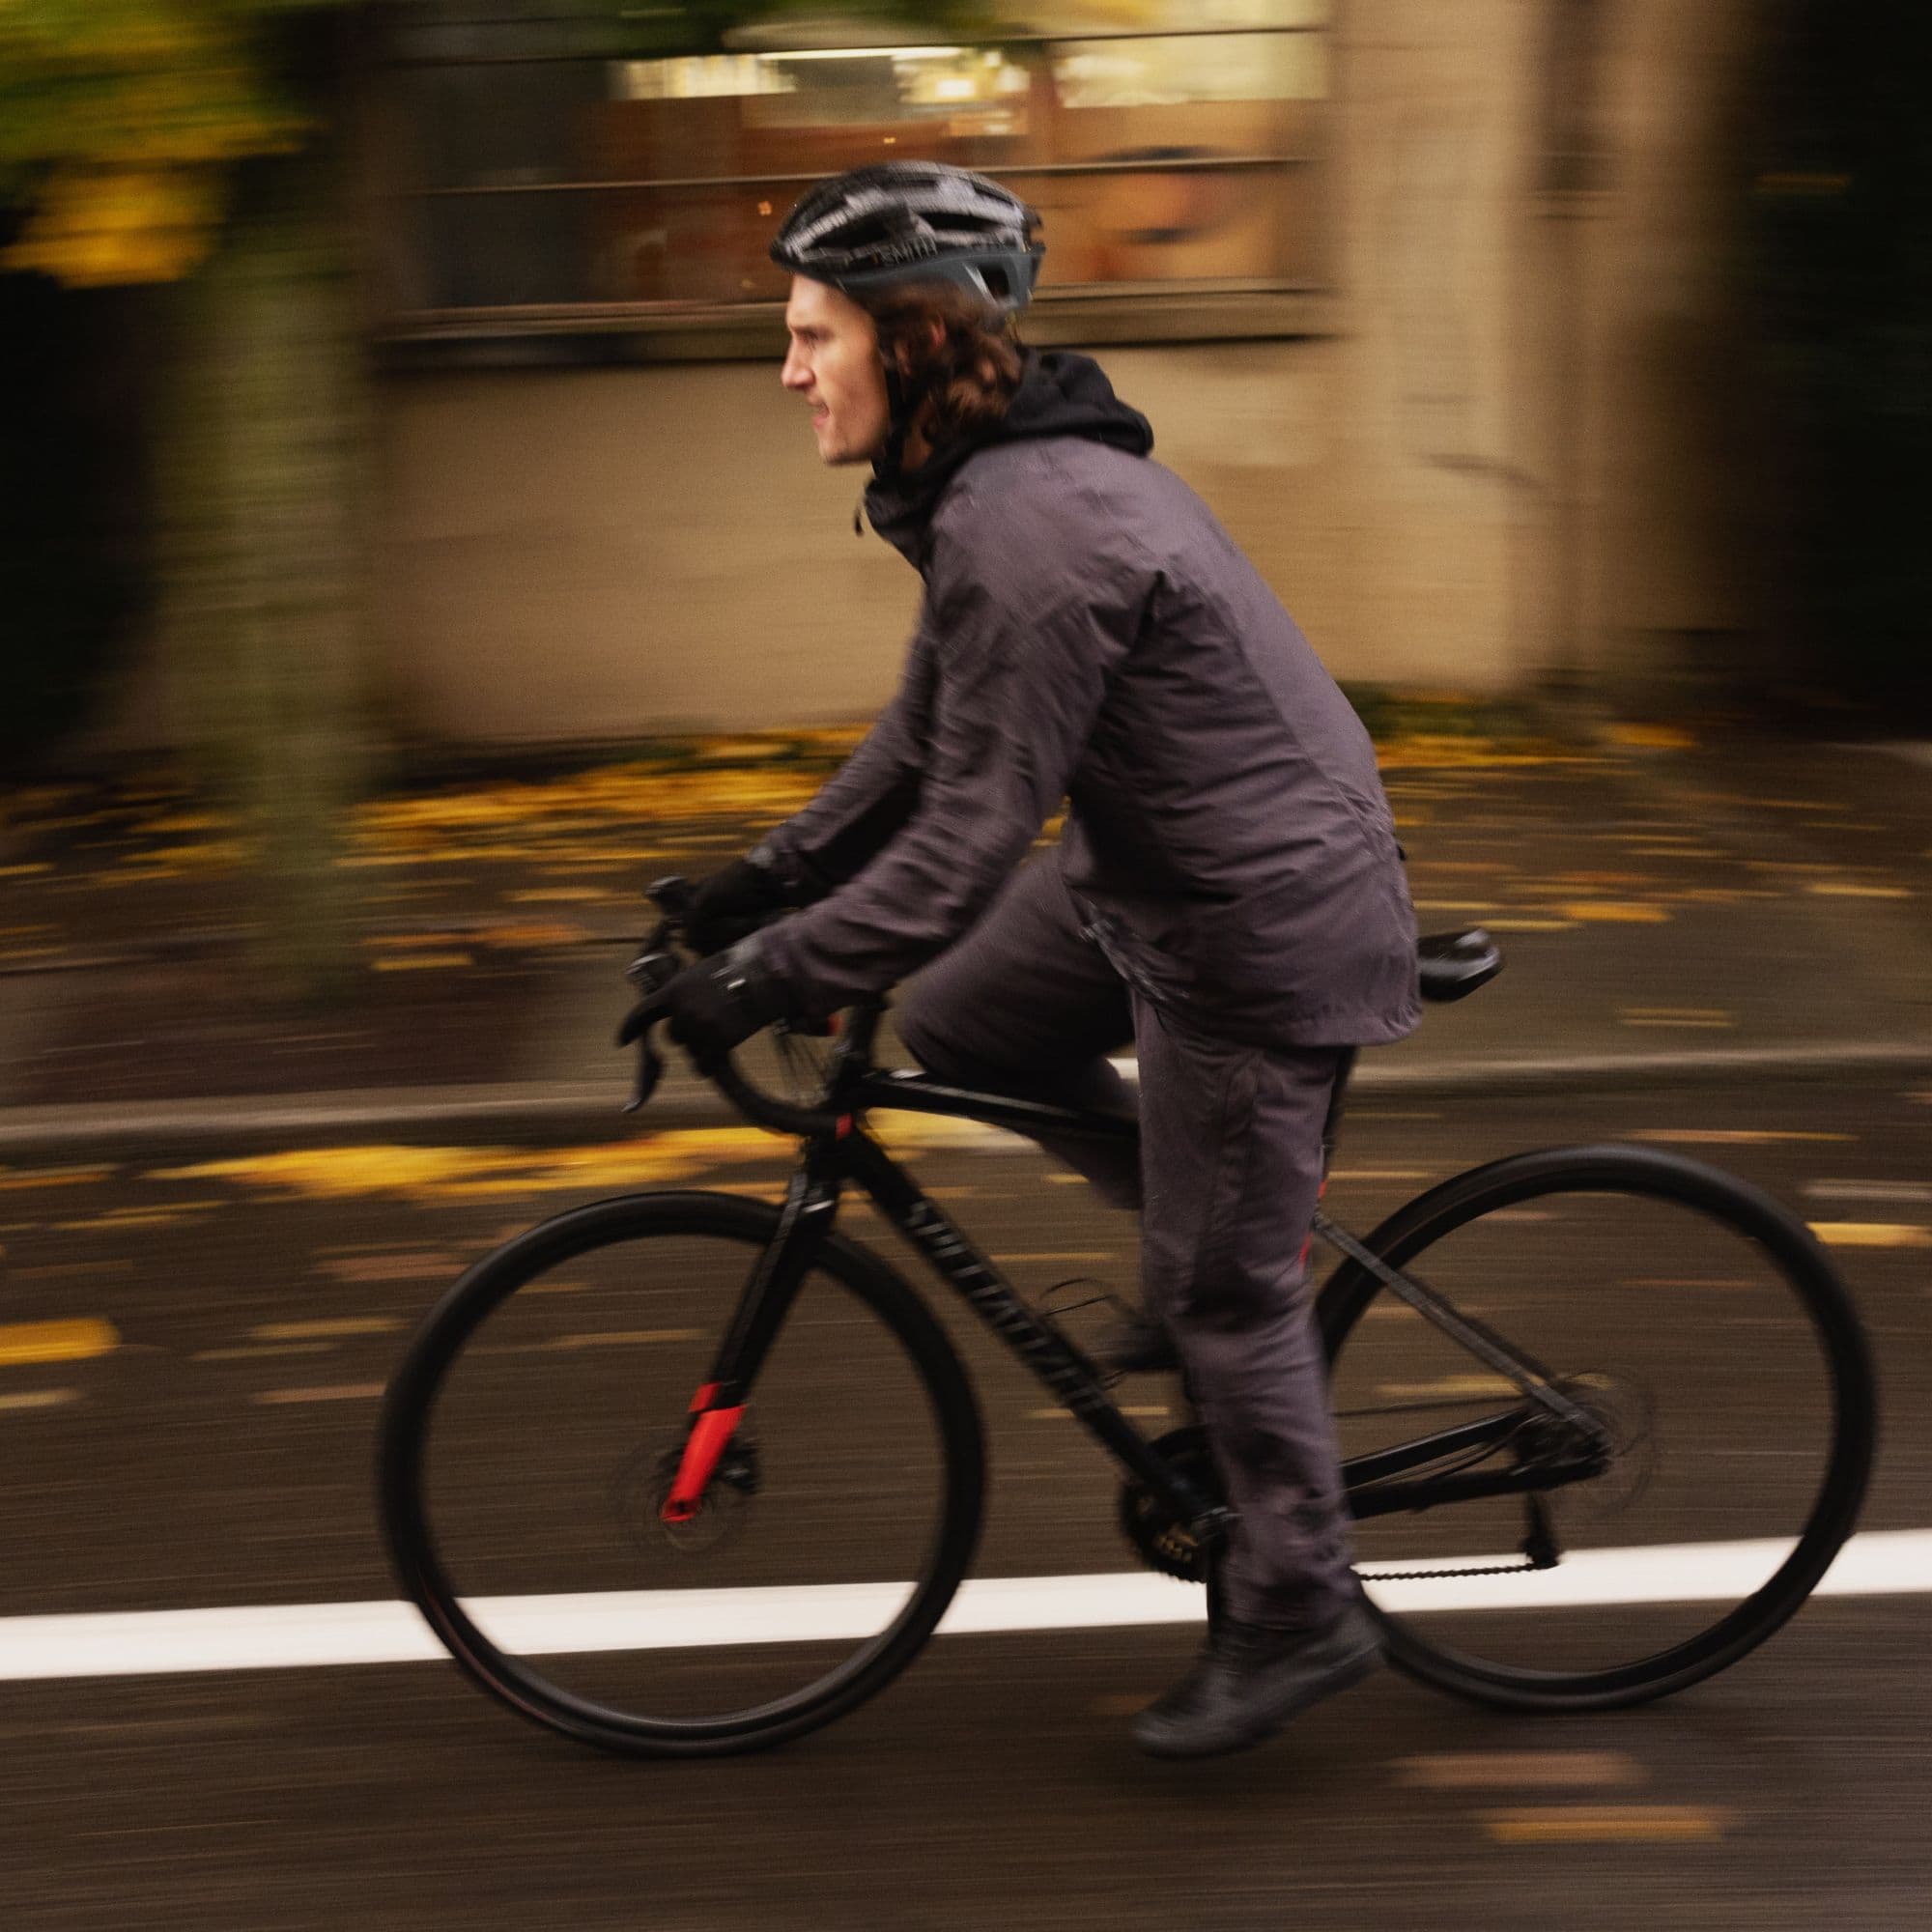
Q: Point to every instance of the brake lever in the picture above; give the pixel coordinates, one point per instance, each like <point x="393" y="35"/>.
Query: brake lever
<point x="655" y="967"/>
<point x="637" y="1025"/>
<point x="650" y="1070"/>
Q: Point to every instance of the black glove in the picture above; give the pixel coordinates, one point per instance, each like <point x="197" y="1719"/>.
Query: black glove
<point x="733" y="904"/>
<point x="722" y="1001"/>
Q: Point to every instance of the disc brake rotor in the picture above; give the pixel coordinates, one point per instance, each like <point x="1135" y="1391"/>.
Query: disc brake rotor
<point x="1623" y="1408"/>
<point x="645" y="1484"/>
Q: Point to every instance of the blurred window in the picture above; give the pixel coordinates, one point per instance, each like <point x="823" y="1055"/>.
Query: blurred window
<point x="543" y="177"/>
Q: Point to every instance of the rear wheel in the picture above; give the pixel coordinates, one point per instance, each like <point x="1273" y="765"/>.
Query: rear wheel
<point x="1704" y="1331"/>
<point x="529" y="1441"/>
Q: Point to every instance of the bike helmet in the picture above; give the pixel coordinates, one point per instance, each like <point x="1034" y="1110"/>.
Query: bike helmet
<point x="896" y="222"/>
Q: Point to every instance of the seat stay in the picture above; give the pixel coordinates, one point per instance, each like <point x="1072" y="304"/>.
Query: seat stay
<point x="1494" y="1351"/>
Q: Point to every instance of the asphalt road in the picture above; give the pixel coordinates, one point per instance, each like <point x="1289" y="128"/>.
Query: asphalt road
<point x="190" y="1362"/>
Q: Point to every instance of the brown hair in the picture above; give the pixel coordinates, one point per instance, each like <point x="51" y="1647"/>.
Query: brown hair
<point x="958" y="360"/>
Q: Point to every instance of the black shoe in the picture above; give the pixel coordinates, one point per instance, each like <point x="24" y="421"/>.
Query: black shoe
<point x="1249" y="1681"/>
<point x="1136" y="1345"/>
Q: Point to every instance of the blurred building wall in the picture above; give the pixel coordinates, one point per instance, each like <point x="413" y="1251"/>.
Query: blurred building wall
<point x="1673" y="455"/>
<point x="1511" y="459"/>
<point x="596" y="552"/>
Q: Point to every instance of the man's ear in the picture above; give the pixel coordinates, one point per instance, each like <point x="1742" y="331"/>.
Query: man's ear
<point x="935" y="334"/>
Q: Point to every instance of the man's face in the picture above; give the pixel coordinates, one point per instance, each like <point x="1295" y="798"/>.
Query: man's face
<point x="834" y="363"/>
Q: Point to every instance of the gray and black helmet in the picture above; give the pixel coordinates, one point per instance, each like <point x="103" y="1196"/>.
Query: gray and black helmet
<point x="897" y="222"/>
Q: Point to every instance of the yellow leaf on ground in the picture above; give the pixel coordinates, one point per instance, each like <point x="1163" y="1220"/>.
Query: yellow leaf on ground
<point x="1871" y="1235"/>
<point x="13" y="1182"/>
<point x="77" y="1341"/>
<point x="510" y="936"/>
<point x="1616" y="912"/>
<point x="1649" y="738"/>
<point x="473" y="1173"/>
<point x="1609" y="1824"/>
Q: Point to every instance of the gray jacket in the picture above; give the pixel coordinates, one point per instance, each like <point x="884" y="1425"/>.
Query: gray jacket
<point x="1090" y="631"/>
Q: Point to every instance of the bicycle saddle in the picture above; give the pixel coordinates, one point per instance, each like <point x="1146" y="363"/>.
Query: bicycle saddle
<point x="1452" y="965"/>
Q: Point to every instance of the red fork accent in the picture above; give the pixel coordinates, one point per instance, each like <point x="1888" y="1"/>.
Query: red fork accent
<point x="703" y="1448"/>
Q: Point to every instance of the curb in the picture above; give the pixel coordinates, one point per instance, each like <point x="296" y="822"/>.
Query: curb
<point x="536" y="1108"/>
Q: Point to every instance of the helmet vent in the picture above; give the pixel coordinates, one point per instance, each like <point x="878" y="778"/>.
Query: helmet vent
<point x="910" y="221"/>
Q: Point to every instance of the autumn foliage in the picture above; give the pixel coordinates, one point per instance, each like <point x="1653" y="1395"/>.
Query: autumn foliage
<point x="120" y="121"/>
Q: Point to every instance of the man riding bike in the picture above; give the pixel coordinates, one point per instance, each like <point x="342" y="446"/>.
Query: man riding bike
<point x="1228" y="894"/>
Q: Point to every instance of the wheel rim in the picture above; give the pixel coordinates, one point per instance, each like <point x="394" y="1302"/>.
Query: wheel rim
<point x="527" y="1444"/>
<point x="1613" y="1263"/>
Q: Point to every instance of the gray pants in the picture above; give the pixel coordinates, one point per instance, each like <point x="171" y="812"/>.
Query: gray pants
<point x="1229" y="1171"/>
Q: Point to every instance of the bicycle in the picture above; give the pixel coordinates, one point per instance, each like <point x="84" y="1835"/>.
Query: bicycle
<point x="678" y="1634"/>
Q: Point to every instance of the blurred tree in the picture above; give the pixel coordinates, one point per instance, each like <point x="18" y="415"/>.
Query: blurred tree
<point x="1841" y="270"/>
<point x="72" y="505"/>
<point x="204" y="146"/>
<point x="193" y="143"/>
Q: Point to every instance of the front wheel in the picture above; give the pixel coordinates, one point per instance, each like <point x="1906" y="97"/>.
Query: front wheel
<point x="532" y="1433"/>
<point x="1704" y="1331"/>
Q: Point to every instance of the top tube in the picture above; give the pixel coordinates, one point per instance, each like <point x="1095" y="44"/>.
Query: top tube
<point x="913" y="1093"/>
<point x="856" y="1087"/>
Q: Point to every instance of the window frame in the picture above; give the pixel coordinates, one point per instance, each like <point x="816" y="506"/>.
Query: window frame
<point x="1169" y="310"/>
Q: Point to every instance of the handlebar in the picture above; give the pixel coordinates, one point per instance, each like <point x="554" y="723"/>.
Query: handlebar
<point x="660" y="959"/>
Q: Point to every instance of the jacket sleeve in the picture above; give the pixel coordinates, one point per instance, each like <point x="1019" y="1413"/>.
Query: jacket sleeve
<point x="859" y="809"/>
<point x="1018" y="684"/>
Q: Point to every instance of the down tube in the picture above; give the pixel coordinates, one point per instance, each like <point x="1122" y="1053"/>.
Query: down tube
<point x="1038" y="1344"/>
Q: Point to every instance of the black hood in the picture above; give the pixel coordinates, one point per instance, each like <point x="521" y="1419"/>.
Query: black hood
<point x="1059" y="394"/>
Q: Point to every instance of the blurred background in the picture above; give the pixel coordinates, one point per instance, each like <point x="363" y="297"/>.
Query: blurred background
<point x="407" y="550"/>
<point x="417" y="358"/>
<point x="393" y="377"/>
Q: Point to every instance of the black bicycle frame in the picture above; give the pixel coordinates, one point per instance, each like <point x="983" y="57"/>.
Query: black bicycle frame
<point x="846" y="1153"/>
<point x="841" y="1150"/>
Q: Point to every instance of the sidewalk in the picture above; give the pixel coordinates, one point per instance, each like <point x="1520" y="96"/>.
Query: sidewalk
<point x="1672" y="910"/>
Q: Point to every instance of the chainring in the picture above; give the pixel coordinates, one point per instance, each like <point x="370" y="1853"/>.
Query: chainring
<point x="1149" y="1525"/>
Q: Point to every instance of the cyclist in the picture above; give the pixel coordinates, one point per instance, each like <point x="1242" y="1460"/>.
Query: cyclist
<point x="1228" y="894"/>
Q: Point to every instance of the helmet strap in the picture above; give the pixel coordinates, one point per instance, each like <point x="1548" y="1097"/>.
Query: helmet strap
<point x="898" y="417"/>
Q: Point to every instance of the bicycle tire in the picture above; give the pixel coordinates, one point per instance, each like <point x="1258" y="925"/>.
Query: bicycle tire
<point x="409" y="1420"/>
<point x="1800" y="1264"/>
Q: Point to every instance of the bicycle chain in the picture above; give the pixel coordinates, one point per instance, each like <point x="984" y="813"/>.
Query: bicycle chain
<point x="1426" y="1576"/>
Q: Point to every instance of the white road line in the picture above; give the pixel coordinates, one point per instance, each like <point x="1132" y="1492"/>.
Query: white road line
<point x="305" y="1636"/>
<point x="1910" y="1192"/>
